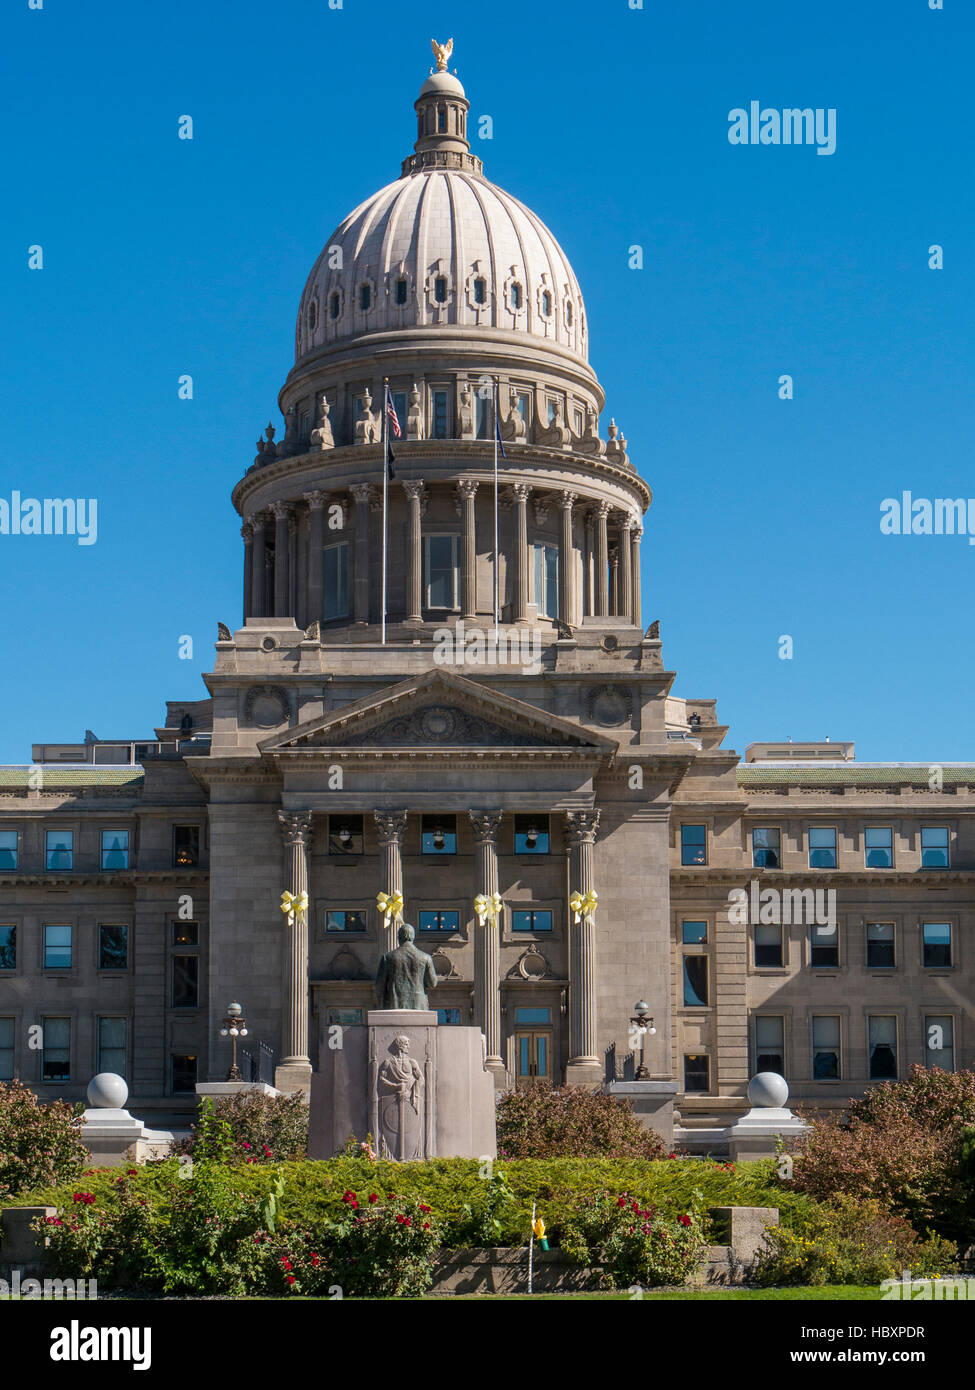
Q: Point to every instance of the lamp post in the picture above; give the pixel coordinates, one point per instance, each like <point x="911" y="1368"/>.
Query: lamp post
<point x="234" y="1027"/>
<point x="641" y="1024"/>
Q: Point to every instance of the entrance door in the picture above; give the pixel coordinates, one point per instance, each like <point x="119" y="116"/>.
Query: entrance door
<point x="533" y="1057"/>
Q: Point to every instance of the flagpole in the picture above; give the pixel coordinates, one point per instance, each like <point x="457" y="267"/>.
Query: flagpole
<point x="385" y="496"/>
<point x="496" y="432"/>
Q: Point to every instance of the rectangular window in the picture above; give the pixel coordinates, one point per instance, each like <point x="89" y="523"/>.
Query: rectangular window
<point x="6" y="1049"/>
<point x="553" y="410"/>
<point x="438" y="834"/>
<point x="695" y="982"/>
<point x="531" y="834"/>
<point x="547" y="580"/>
<point x="824" y="946"/>
<point x="401" y="290"/>
<point x="113" y="947"/>
<point x="483" y="416"/>
<point x="344" y="920"/>
<point x="822" y="847"/>
<point x="335" y="581"/>
<point x="697" y="1072"/>
<point x="934" y="847"/>
<point x="436" y="920"/>
<point x="115" y="849"/>
<point x="765" y="848"/>
<point x="60" y="849"/>
<point x="529" y="920"/>
<point x="111" y="1045"/>
<point x="56" y="1054"/>
<point x="8" y="948"/>
<point x="936" y="938"/>
<point x="770" y="1043"/>
<point x="826" y="1047"/>
<point x="526" y="1013"/>
<point x="882" y="1047"/>
<point x="694" y="933"/>
<point x="521" y="405"/>
<point x="939" y="1041"/>
<point x="768" y="944"/>
<point x="186" y="982"/>
<point x="878" y="847"/>
<point x="8" y="849"/>
<point x="183" y="1072"/>
<point x="693" y="844"/>
<point x="449" y="1017"/>
<point x="186" y="934"/>
<point x="57" y="948"/>
<point x="345" y="834"/>
<point x="441" y="412"/>
<point x="880" y="945"/>
<point x="186" y="846"/>
<point x="399" y="405"/>
<point x="441" y="553"/>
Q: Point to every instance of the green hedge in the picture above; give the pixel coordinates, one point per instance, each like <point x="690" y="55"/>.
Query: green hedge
<point x="314" y="1189"/>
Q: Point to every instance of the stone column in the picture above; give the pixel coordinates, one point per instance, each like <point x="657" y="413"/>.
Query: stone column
<point x="247" y="534"/>
<point x="614" y="578"/>
<point x="414" y="568"/>
<point x="588" y="597"/>
<point x="293" y="1072"/>
<point x="566" y="568"/>
<point x="601" y="584"/>
<point x="583" y="1065"/>
<point x="625" y="591"/>
<point x="259" y="577"/>
<point x="362" y="493"/>
<point x="636" y="615"/>
<point x="519" y="597"/>
<point x="294" y="606"/>
<point x="392" y="827"/>
<point x="316" y="544"/>
<point x="487" y="953"/>
<point x="281" y="512"/>
<point x="467" y="490"/>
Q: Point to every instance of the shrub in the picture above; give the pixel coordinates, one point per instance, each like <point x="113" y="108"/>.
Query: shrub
<point x="571" y="1122"/>
<point x="907" y="1143"/>
<point x="250" y="1127"/>
<point x="635" y="1244"/>
<point x="850" y="1241"/>
<point x="40" y="1145"/>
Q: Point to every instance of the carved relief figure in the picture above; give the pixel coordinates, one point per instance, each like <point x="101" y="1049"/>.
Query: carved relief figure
<point x="400" y="1088"/>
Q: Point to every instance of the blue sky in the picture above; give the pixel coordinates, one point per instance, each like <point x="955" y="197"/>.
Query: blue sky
<point x="164" y="257"/>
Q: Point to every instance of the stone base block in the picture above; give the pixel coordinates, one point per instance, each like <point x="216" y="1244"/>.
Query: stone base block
<point x="653" y="1104"/>
<point x="217" y="1090"/>
<point x="292" y="1076"/>
<point x="114" y="1137"/>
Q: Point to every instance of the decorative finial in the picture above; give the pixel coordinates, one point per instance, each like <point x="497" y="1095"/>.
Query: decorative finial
<point x="442" y="51"/>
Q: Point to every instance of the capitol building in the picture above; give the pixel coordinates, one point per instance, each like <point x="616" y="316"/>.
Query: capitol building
<point x="480" y="706"/>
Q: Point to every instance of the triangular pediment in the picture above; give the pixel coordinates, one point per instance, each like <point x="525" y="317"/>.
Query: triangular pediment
<point x="439" y="709"/>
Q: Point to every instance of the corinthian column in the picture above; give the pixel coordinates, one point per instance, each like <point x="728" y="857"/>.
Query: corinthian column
<point x="602" y="561"/>
<point x="392" y="828"/>
<point x="521" y="492"/>
<point x="316" y="546"/>
<point x="362" y="492"/>
<point x="487" y="954"/>
<point x="636" y="614"/>
<point x="293" y="1072"/>
<point x="247" y="534"/>
<point x="281" y="512"/>
<point x="414" y="570"/>
<point x="625" y="590"/>
<point x="566" y="567"/>
<point x="466" y="491"/>
<point x="259" y="577"/>
<point x="581" y="829"/>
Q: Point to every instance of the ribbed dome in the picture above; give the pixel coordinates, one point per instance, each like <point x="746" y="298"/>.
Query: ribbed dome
<point x="441" y="246"/>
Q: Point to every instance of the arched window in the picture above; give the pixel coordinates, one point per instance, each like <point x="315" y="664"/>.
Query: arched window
<point x="442" y="120"/>
<point x="568" y="313"/>
<point x="440" y="289"/>
<point x="401" y="290"/>
<point x="312" y="316"/>
<point x="515" y="296"/>
<point x="546" y="304"/>
<point x="480" y="290"/>
<point x="365" y="296"/>
<point x="334" y="304"/>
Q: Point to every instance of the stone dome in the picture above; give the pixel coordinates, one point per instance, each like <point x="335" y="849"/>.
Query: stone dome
<point x="441" y="246"/>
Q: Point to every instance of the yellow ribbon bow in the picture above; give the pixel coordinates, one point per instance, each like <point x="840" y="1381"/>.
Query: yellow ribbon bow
<point x="488" y="907"/>
<point x="390" y="905"/>
<point x="583" y="905"/>
<point x="294" y="905"/>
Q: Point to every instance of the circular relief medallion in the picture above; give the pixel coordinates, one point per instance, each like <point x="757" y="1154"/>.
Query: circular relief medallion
<point x="438" y="724"/>
<point x="266" y="706"/>
<point x="609" y="705"/>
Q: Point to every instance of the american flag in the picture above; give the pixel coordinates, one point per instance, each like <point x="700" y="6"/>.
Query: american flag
<point x="391" y="415"/>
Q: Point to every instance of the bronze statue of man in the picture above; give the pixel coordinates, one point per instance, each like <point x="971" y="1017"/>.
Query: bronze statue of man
<point x="405" y="974"/>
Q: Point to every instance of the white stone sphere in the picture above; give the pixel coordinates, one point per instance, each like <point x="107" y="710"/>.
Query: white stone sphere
<point x="107" y="1091"/>
<point x="767" y="1089"/>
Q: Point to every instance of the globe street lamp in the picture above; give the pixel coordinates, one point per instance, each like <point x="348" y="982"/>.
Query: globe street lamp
<point x="234" y="1027"/>
<point x="641" y="1024"/>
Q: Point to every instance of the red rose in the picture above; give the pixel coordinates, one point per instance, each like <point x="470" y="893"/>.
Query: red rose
<point x="684" y="1220"/>
<point x="423" y="1208"/>
<point x="291" y="1278"/>
<point x="426" y="1225"/>
<point x="373" y="1197"/>
<point x="621" y="1202"/>
<point x="286" y="1263"/>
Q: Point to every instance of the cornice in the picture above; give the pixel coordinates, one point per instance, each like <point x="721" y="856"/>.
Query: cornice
<point x="134" y="878"/>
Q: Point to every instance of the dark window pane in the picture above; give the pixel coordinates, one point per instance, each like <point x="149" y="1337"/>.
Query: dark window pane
<point x="694" y="933"/>
<point x="880" y="945"/>
<point x="528" y="920"/>
<point x="55" y="1059"/>
<point x="765" y="848"/>
<point x="696" y="1072"/>
<point x="8" y="948"/>
<point x="439" y="834"/>
<point x="693" y="844"/>
<point x="531" y="834"/>
<point x="186" y="846"/>
<point x="115" y="849"/>
<point x="695" y="981"/>
<point x="345" y="834"/>
<point x="113" y="947"/>
<point x="186" y="934"/>
<point x="342" y="920"/>
<point x="437" y="920"/>
<point x="57" y="948"/>
<point x="186" y="975"/>
<point x="768" y="944"/>
<point x="937" y="944"/>
<point x="8" y="849"/>
<point x="184" y="1073"/>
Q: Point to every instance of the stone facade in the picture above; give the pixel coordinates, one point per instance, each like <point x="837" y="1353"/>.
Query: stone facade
<point x="444" y="745"/>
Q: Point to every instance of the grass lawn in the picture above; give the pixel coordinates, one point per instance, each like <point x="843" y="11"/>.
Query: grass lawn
<point x="827" y="1292"/>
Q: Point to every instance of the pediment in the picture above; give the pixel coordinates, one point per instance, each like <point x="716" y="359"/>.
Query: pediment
<point x="439" y="710"/>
